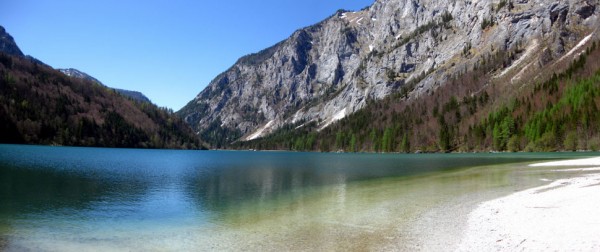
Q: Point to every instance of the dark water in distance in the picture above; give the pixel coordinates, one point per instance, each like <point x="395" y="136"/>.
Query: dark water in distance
<point x="38" y="178"/>
<point x="75" y="190"/>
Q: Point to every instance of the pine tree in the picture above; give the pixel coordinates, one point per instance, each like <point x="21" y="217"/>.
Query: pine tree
<point x="353" y="143"/>
<point x="405" y="146"/>
<point x="386" y="142"/>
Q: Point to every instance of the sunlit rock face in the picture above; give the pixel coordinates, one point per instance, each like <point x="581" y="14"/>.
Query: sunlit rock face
<point x="327" y="71"/>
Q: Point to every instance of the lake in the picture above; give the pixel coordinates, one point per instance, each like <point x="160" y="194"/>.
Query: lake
<point x="73" y="199"/>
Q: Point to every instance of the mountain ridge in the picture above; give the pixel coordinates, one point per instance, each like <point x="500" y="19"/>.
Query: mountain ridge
<point x="8" y="44"/>
<point x="136" y="95"/>
<point x="327" y="71"/>
<point x="41" y="105"/>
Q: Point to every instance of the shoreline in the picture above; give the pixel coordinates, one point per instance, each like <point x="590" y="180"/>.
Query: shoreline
<point x="561" y="215"/>
<point x="595" y="161"/>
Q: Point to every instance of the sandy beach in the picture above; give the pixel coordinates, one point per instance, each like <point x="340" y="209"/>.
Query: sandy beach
<point x="560" y="216"/>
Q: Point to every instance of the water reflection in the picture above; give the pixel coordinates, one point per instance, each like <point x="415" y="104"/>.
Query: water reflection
<point x="57" y="197"/>
<point x="122" y="189"/>
<point x="246" y="176"/>
<point x="34" y="178"/>
<point x="232" y="185"/>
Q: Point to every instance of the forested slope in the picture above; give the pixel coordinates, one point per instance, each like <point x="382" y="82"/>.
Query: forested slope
<point x="40" y="105"/>
<point x="557" y="109"/>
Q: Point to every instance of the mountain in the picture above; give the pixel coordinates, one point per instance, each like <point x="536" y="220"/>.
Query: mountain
<point x="138" y="96"/>
<point x="8" y="45"/>
<point x="72" y="72"/>
<point x="41" y="105"/>
<point x="407" y="49"/>
<point x="516" y="100"/>
<point x="135" y="95"/>
<point x="557" y="110"/>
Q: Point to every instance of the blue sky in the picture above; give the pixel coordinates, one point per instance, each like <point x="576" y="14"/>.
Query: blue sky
<point x="169" y="50"/>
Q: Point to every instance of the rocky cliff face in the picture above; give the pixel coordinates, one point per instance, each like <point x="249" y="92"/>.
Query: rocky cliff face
<point x="327" y="71"/>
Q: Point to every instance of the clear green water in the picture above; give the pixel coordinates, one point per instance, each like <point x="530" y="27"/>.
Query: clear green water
<point x="73" y="199"/>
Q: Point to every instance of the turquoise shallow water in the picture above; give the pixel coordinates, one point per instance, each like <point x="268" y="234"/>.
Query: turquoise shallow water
<point x="66" y="198"/>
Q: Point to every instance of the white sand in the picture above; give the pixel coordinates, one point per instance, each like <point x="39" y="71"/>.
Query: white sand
<point x="563" y="216"/>
<point x="578" y="169"/>
<point x="576" y="162"/>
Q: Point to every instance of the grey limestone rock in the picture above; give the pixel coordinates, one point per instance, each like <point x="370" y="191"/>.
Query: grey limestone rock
<point x="327" y="71"/>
